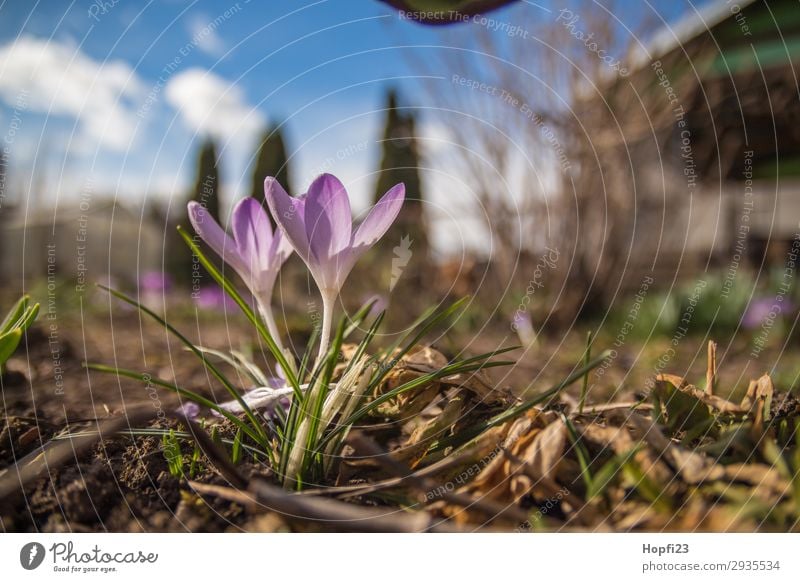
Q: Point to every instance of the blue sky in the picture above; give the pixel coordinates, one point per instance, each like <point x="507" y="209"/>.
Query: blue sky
<point x="115" y="97"/>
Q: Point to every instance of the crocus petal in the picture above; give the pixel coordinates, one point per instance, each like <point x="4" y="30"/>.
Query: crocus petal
<point x="288" y="213"/>
<point x="380" y="218"/>
<point x="189" y="409"/>
<point x="255" y="399"/>
<point x="334" y="272"/>
<point x="252" y="232"/>
<point x="327" y="217"/>
<point x="280" y="248"/>
<point x="207" y="229"/>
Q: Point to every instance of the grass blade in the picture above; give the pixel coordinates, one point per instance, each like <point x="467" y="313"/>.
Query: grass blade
<point x="210" y="366"/>
<point x="515" y="411"/>
<point x="587" y="356"/>
<point x="279" y="356"/>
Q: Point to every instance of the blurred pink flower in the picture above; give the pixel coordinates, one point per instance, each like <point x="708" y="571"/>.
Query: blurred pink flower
<point x="155" y="282"/>
<point x="213" y="297"/>
<point x="763" y="309"/>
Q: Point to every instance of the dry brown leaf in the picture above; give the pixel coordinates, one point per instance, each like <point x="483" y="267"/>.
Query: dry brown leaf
<point x="526" y="462"/>
<point x="435" y="428"/>
<point x="716" y="402"/>
<point x="480" y="385"/>
<point x="619" y="440"/>
<point x="542" y="454"/>
<point x="419" y="361"/>
<point x="693" y="467"/>
<point x="764" y="392"/>
<point x="759" y="476"/>
<point x="633" y="515"/>
<point x="422" y="360"/>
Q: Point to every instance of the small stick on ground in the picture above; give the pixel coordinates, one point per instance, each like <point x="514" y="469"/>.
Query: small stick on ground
<point x="328" y="512"/>
<point x="711" y="370"/>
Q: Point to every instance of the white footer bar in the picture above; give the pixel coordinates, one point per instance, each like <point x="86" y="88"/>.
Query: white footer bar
<point x="389" y="557"/>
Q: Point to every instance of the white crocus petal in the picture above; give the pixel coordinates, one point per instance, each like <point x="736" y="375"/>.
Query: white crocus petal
<point x="258" y="398"/>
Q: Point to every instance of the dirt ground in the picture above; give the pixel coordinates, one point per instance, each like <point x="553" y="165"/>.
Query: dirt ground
<point x="123" y="484"/>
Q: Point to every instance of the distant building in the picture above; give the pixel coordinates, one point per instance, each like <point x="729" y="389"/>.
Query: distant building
<point x="709" y="122"/>
<point x="87" y="241"/>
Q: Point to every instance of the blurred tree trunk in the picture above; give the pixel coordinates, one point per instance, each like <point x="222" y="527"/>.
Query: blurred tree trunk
<point x="271" y="161"/>
<point x="403" y="259"/>
<point x="205" y="191"/>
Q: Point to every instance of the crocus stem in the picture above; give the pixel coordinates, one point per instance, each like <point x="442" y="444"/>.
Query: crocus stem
<point x="269" y="319"/>
<point x="328" y="301"/>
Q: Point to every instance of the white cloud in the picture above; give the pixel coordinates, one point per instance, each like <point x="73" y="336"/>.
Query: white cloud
<point x="56" y="77"/>
<point x="210" y="105"/>
<point x="204" y="34"/>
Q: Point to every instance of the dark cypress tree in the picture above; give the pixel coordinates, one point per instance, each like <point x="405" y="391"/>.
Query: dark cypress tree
<point x="3" y="168"/>
<point x="3" y="177"/>
<point x="407" y="239"/>
<point x="206" y="188"/>
<point x="271" y="161"/>
<point x="179" y="261"/>
<point x="3" y="185"/>
<point x="400" y="163"/>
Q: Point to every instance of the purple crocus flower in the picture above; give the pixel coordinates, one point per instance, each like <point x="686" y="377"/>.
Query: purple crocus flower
<point x="320" y="228"/>
<point x="254" y="251"/>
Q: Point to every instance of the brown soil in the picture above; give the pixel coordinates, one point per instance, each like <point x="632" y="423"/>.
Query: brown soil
<point x="123" y="484"/>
